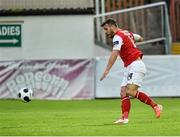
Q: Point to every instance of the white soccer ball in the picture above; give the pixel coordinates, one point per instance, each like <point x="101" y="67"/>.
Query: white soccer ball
<point x="25" y="94"/>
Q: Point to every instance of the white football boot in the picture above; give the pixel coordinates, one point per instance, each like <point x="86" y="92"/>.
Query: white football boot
<point x="121" y="121"/>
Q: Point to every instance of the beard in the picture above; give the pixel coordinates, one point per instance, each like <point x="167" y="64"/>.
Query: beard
<point x="111" y="35"/>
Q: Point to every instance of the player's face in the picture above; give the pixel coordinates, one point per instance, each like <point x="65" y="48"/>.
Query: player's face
<point x="108" y="30"/>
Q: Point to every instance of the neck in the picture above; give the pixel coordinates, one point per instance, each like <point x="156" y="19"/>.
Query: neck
<point x="115" y="29"/>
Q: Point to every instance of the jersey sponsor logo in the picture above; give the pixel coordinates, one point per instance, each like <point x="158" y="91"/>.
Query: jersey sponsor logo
<point x="115" y="42"/>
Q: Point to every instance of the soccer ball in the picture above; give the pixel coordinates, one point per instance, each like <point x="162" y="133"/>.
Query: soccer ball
<point x="25" y="94"/>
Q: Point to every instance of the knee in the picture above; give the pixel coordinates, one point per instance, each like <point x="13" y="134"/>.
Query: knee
<point x="131" y="91"/>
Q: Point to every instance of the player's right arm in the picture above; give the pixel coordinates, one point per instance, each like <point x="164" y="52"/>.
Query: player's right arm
<point x="111" y="62"/>
<point x="117" y="43"/>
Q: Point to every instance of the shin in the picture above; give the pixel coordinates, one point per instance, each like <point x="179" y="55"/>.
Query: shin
<point x="125" y="103"/>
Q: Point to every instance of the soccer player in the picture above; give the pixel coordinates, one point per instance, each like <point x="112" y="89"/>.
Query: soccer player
<point x="124" y="46"/>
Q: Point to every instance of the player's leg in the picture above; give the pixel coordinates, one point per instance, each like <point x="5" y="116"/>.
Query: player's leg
<point x="132" y="90"/>
<point x="149" y="101"/>
<point x="136" y="74"/>
<point x="125" y="101"/>
<point x="125" y="107"/>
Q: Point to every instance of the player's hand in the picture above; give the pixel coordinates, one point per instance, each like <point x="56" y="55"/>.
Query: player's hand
<point x="104" y="75"/>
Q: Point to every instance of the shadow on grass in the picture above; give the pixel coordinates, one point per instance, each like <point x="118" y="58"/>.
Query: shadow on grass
<point x="96" y="125"/>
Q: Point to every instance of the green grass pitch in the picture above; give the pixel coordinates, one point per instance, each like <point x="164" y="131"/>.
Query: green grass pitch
<point x="86" y="118"/>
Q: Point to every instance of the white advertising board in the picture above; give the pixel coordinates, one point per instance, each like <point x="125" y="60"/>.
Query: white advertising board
<point x="162" y="78"/>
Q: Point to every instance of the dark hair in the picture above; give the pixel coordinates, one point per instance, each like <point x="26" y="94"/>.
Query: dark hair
<point x="109" y="21"/>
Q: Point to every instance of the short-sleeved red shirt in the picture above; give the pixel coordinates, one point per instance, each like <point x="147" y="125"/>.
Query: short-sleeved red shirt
<point x="129" y="51"/>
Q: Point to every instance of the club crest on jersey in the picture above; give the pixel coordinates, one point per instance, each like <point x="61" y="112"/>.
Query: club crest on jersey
<point x="115" y="42"/>
<point x="129" y="76"/>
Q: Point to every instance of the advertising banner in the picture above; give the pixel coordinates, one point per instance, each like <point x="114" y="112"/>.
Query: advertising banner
<point x="49" y="79"/>
<point x="161" y="80"/>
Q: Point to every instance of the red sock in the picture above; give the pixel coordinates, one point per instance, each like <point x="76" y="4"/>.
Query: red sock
<point x="145" y="99"/>
<point x="125" y="106"/>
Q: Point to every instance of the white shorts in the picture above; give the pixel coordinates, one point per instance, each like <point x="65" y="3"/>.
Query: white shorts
<point x="134" y="73"/>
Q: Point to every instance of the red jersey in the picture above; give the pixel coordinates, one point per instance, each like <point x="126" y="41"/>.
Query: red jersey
<point x="128" y="51"/>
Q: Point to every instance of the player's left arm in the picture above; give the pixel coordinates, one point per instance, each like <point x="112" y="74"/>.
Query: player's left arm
<point x="137" y="38"/>
<point x="111" y="62"/>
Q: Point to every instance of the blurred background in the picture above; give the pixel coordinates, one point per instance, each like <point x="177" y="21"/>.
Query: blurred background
<point x="57" y="47"/>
